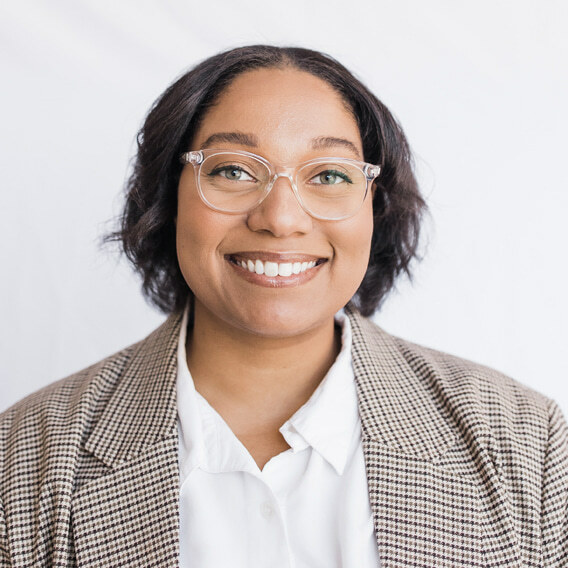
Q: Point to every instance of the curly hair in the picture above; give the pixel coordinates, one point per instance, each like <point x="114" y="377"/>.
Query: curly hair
<point x="147" y="224"/>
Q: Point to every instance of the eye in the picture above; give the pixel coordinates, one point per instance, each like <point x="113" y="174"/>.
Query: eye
<point x="232" y="173"/>
<point x="330" y="177"/>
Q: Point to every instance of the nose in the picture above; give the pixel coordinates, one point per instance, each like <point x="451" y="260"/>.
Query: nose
<point x="280" y="213"/>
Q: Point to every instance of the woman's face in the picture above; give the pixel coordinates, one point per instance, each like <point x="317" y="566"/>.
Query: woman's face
<point x="284" y="114"/>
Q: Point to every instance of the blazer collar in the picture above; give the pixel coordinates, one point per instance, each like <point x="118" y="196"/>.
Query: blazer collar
<point x="142" y="409"/>
<point x="397" y="407"/>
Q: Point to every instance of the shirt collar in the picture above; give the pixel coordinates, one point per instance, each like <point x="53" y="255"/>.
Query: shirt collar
<point x="327" y="422"/>
<point x="329" y="419"/>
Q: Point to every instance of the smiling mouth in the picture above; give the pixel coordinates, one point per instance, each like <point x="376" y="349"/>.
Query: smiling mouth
<point x="273" y="269"/>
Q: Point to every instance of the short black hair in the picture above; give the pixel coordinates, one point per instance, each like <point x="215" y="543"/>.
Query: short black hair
<point x="147" y="224"/>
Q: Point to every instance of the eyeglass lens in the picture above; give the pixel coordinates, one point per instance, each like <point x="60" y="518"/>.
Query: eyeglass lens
<point x="235" y="182"/>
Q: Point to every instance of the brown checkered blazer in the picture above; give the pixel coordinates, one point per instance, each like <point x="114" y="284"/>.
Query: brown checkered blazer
<point x="465" y="467"/>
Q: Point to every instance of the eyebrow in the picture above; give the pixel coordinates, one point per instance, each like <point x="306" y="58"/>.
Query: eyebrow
<point x="231" y="138"/>
<point x="332" y="141"/>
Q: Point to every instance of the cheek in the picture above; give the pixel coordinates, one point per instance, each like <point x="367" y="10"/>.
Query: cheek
<point x="187" y="229"/>
<point x="197" y="238"/>
<point x="360" y="235"/>
<point x="353" y="245"/>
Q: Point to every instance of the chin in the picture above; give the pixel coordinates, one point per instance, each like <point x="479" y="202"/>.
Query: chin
<point x="282" y="328"/>
<point x="280" y="323"/>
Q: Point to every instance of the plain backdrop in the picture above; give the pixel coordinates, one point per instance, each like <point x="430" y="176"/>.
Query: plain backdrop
<point x="479" y="87"/>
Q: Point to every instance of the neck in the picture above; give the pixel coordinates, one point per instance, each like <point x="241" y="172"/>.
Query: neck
<point x="263" y="377"/>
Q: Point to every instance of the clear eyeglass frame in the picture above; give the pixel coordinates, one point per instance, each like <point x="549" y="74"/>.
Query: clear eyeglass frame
<point x="197" y="159"/>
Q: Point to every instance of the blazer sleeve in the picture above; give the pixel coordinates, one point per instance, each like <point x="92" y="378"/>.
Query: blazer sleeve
<point x="555" y="493"/>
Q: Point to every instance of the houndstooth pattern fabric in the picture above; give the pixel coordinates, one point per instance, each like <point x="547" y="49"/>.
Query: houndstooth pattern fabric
<point x="465" y="467"/>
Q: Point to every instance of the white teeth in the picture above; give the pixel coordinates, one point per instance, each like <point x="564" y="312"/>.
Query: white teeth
<point x="274" y="268"/>
<point x="271" y="268"/>
<point x="285" y="269"/>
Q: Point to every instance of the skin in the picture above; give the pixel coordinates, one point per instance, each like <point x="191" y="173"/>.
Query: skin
<point x="258" y="351"/>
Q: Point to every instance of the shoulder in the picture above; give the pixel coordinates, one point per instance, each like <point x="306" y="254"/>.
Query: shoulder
<point x="458" y="374"/>
<point x="512" y="415"/>
<point x="60" y="417"/>
<point x="477" y="402"/>
<point x="84" y="394"/>
<point x="71" y="402"/>
<point x="490" y="386"/>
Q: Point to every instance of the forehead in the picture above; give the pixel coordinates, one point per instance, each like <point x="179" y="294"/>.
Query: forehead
<point x="285" y="109"/>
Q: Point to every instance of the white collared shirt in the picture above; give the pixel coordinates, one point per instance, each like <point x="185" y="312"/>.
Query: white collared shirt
<point x="307" y="508"/>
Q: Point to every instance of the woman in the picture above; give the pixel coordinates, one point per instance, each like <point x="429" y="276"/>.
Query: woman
<point x="262" y="424"/>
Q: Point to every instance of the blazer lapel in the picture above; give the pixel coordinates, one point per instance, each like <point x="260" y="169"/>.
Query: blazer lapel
<point x="424" y="490"/>
<point x="130" y="516"/>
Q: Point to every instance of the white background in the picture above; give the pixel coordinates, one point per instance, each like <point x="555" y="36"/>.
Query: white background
<point x="480" y="88"/>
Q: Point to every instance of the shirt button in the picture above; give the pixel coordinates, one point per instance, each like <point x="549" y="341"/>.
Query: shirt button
<point x="266" y="510"/>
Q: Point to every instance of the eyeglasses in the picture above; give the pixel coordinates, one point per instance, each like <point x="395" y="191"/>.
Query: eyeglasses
<point x="237" y="181"/>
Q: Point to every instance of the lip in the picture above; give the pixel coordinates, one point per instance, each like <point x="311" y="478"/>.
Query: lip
<point x="272" y="256"/>
<point x="280" y="257"/>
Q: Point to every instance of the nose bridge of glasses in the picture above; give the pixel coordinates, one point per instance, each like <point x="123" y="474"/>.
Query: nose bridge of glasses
<point x="283" y="172"/>
<point x="288" y="173"/>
